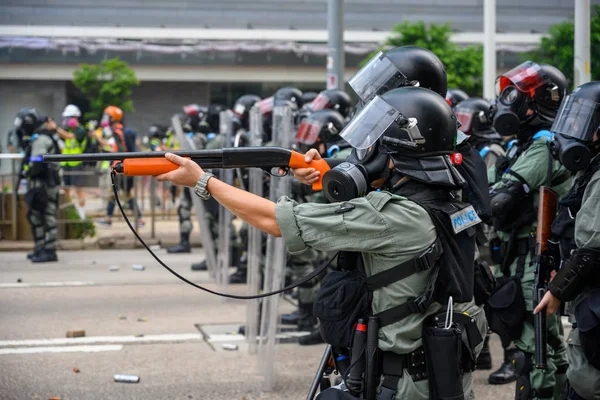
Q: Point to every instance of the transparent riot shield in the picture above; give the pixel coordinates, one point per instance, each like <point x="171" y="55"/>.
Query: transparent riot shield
<point x="255" y="236"/>
<point x="225" y="217"/>
<point x="187" y="143"/>
<point x="283" y="135"/>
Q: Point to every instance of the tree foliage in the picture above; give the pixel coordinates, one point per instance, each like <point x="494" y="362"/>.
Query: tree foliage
<point x="557" y="49"/>
<point x="464" y="65"/>
<point x="108" y="83"/>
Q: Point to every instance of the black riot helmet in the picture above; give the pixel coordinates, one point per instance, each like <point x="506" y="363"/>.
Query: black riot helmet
<point x="241" y="109"/>
<point x="26" y="121"/>
<point x="212" y="117"/>
<point x="308" y="97"/>
<point x="576" y="127"/>
<point x="474" y="115"/>
<point x="399" y="67"/>
<point x="334" y="99"/>
<point x="321" y="127"/>
<point x="529" y="97"/>
<point x="455" y="96"/>
<point x="157" y="132"/>
<point x="291" y="94"/>
<point x="413" y="127"/>
<point x="195" y="114"/>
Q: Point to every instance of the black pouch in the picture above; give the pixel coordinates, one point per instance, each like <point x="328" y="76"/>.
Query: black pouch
<point x="587" y="315"/>
<point x="485" y="283"/>
<point x="342" y="299"/>
<point x="36" y="198"/>
<point x="443" y="351"/>
<point x="506" y="309"/>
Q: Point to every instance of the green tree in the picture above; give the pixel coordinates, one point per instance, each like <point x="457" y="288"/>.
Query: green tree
<point x="464" y="65"/>
<point x="107" y="83"/>
<point x="557" y="48"/>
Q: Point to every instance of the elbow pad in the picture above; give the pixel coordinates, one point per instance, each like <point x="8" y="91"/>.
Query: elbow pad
<point x="509" y="209"/>
<point x="582" y="270"/>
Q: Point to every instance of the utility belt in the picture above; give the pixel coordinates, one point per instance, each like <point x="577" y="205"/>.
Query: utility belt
<point x="447" y="353"/>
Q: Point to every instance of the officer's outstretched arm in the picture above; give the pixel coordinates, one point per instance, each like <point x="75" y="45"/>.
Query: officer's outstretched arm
<point x="255" y="210"/>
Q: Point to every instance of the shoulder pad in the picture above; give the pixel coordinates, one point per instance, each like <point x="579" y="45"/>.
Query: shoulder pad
<point x="544" y="134"/>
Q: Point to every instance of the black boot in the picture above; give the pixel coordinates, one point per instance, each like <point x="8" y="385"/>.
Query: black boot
<point x="311" y="339"/>
<point x="291" y="318"/>
<point x="34" y="253"/>
<point x="307" y="321"/>
<point x="506" y="373"/>
<point x="45" y="256"/>
<point x="484" y="361"/>
<point x="183" y="246"/>
<point x="239" y="277"/>
<point x="201" y="266"/>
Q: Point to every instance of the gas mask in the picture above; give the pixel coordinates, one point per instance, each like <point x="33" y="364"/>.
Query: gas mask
<point x="516" y="105"/>
<point x="512" y="108"/>
<point x="70" y="123"/>
<point x="574" y="129"/>
<point x="352" y="178"/>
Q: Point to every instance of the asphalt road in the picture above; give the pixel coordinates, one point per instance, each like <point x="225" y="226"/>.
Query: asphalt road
<point x="141" y="323"/>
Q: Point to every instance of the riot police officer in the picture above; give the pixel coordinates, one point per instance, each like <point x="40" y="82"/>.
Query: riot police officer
<point x="576" y="227"/>
<point x="334" y="99"/>
<point x="402" y="142"/>
<point x="530" y="95"/>
<point x="42" y="183"/>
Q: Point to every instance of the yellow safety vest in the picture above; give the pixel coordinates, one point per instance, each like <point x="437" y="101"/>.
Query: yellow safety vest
<point x="73" y="147"/>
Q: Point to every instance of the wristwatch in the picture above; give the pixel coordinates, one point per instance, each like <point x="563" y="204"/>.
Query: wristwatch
<point x="200" y="188"/>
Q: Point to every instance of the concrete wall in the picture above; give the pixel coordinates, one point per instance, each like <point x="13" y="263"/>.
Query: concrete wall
<point x="156" y="102"/>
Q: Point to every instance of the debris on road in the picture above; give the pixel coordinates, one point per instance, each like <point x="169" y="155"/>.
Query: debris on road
<point x="54" y="398"/>
<point x="142" y="319"/>
<point x="155" y="247"/>
<point x="140" y="335"/>
<point x="126" y="378"/>
<point x="76" y="370"/>
<point x="230" y="347"/>
<point x="122" y="317"/>
<point x="19" y="280"/>
<point x="113" y="268"/>
<point x="74" y="334"/>
<point x="138" y="267"/>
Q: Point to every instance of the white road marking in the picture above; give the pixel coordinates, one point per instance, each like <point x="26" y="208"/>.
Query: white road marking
<point x="185" y="337"/>
<point x="61" y="349"/>
<point x="44" y="284"/>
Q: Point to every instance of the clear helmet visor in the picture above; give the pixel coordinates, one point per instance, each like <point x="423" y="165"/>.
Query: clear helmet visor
<point x="321" y="102"/>
<point x="239" y="109"/>
<point x="526" y="77"/>
<point x="380" y="73"/>
<point x="577" y="118"/>
<point x="308" y="132"/>
<point x="465" y="117"/>
<point x="266" y="105"/>
<point x="370" y="123"/>
<point x="18" y="122"/>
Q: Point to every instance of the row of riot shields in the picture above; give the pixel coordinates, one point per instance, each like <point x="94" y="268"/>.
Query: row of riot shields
<point x="266" y="264"/>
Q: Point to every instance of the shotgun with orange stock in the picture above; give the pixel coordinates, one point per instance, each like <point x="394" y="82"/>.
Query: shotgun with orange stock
<point x="155" y="163"/>
<point x="544" y="263"/>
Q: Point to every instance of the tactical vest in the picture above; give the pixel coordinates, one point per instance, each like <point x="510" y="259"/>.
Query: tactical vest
<point x="72" y="146"/>
<point x="451" y="256"/>
<point x="49" y="173"/>
<point x="563" y="227"/>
